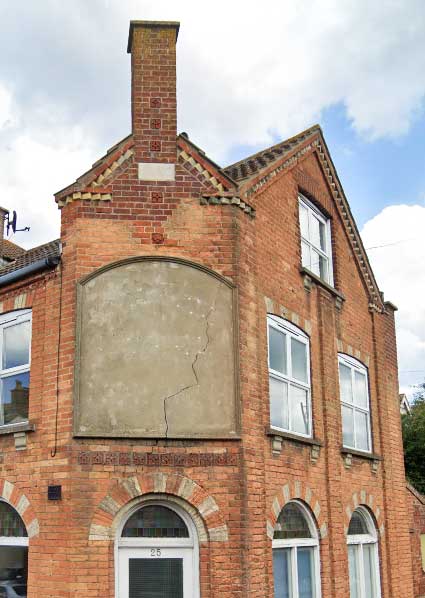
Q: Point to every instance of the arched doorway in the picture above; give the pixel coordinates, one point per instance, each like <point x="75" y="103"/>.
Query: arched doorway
<point x="13" y="552"/>
<point x="157" y="553"/>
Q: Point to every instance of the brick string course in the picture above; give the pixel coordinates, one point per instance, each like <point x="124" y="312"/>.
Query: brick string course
<point x="262" y="257"/>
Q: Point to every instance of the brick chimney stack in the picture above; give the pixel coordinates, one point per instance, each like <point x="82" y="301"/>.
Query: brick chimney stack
<point x="152" y="45"/>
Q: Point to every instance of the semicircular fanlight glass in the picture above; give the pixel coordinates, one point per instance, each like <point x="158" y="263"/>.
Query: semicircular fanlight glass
<point x="292" y="523"/>
<point x="155" y="521"/>
<point x="11" y="524"/>
<point x="358" y="525"/>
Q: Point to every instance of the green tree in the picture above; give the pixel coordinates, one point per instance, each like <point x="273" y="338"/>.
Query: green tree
<point x="413" y="426"/>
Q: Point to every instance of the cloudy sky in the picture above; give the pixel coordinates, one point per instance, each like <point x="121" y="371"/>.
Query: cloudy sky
<point x="249" y="75"/>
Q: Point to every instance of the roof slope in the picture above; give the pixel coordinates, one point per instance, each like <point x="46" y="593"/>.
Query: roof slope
<point x="248" y="167"/>
<point x="45" y="251"/>
<point x="9" y="250"/>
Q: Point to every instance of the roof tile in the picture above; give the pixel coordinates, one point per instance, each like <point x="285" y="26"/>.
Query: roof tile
<point x="48" y="250"/>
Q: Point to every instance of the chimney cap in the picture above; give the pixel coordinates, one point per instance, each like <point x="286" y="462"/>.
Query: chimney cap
<point x="150" y="25"/>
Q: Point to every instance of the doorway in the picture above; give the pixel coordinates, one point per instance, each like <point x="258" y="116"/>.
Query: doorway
<point x="158" y="554"/>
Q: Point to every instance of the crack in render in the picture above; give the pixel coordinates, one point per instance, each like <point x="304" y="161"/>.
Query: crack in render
<point x="198" y="353"/>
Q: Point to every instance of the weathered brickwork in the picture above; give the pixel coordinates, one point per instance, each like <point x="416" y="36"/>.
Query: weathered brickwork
<point x="416" y="504"/>
<point x="234" y="504"/>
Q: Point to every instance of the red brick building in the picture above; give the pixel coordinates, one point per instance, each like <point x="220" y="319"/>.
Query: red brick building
<point x="200" y="392"/>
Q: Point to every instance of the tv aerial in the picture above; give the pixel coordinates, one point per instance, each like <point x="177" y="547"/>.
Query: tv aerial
<point x="11" y="224"/>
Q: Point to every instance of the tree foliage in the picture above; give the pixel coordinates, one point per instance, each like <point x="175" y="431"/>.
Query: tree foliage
<point x="413" y="426"/>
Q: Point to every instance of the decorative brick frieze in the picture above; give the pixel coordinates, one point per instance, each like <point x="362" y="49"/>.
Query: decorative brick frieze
<point x="91" y="458"/>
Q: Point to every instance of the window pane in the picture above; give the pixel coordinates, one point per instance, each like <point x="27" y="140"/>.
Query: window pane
<point x="16" y="344"/>
<point x="357" y="525"/>
<point x="282" y="573"/>
<point x="14" y="397"/>
<point x="362" y="433"/>
<point x="11" y="524"/>
<point x="315" y="262"/>
<point x="345" y="383"/>
<point x="360" y="389"/>
<point x="299" y="360"/>
<point x="155" y="522"/>
<point x="305" y="565"/>
<point x="14" y="566"/>
<point x="304" y="221"/>
<point x="315" y="230"/>
<point x="277" y="350"/>
<point x="347" y="426"/>
<point x="323" y="267"/>
<point x="291" y="523"/>
<point x="305" y="255"/>
<point x="354" y="572"/>
<point x="279" y="416"/>
<point x="322" y="231"/>
<point x="299" y="410"/>
<point x="369" y="570"/>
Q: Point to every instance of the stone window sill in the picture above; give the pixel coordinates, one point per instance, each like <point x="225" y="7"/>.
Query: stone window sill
<point x="278" y="437"/>
<point x="295" y="437"/>
<point x="310" y="278"/>
<point x="19" y="432"/>
<point x="14" y="428"/>
<point x="348" y="455"/>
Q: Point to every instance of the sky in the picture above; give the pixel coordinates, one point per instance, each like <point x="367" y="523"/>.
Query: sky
<point x="249" y="75"/>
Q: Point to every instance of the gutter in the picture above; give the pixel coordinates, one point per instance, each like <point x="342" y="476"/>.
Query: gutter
<point x="38" y="266"/>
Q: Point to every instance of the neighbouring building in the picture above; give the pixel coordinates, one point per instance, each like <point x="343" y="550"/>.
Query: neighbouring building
<point x="199" y="378"/>
<point x="405" y="408"/>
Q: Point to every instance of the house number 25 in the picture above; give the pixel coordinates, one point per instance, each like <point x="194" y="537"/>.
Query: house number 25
<point x="155" y="552"/>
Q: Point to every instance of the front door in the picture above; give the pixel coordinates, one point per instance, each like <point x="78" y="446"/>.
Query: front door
<point x="157" y="555"/>
<point x="157" y="572"/>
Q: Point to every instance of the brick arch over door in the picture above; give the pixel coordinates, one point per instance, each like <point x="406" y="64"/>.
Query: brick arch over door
<point x="291" y="491"/>
<point x="17" y="499"/>
<point x="201" y="506"/>
<point x="368" y="500"/>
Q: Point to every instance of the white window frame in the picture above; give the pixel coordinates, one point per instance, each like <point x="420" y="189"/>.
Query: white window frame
<point x="354" y="366"/>
<point x="327" y="255"/>
<point x="7" y="320"/>
<point x="359" y="540"/>
<point x="291" y="331"/>
<point x="185" y="548"/>
<point x="294" y="543"/>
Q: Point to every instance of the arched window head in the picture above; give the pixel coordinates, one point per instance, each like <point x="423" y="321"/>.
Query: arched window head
<point x="155" y="521"/>
<point x="296" y="566"/>
<point x="358" y="524"/>
<point x="11" y="524"/>
<point x="292" y="523"/>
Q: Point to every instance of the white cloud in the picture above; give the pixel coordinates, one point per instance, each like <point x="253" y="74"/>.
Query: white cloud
<point x="399" y="267"/>
<point x="247" y="73"/>
<point x="5" y="107"/>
